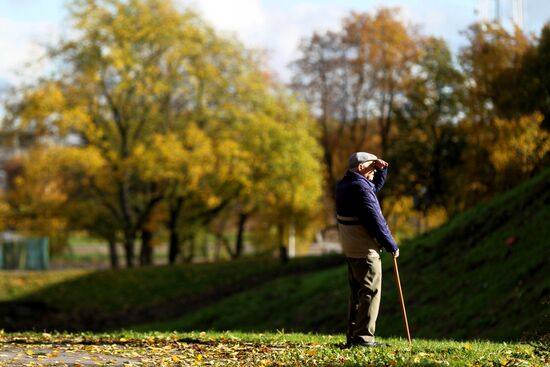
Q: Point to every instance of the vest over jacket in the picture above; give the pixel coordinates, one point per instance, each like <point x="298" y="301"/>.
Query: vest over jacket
<point x="361" y="224"/>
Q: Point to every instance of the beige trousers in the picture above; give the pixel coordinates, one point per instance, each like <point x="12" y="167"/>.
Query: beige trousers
<point x="365" y="282"/>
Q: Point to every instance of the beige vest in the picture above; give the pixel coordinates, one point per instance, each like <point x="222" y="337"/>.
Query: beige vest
<point x="356" y="241"/>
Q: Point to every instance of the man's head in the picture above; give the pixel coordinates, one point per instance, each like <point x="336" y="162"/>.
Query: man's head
<point x="363" y="163"/>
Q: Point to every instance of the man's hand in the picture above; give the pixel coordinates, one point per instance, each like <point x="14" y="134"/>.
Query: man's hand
<point x="380" y="164"/>
<point x="396" y="253"/>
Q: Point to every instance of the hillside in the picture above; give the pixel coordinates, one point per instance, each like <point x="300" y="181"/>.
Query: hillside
<point x="107" y="299"/>
<point x="483" y="275"/>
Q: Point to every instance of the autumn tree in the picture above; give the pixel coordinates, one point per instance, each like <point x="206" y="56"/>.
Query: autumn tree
<point x="524" y="88"/>
<point x="44" y="190"/>
<point x="354" y="80"/>
<point x="430" y="143"/>
<point x="284" y="189"/>
<point x="491" y="51"/>
<point x="167" y="107"/>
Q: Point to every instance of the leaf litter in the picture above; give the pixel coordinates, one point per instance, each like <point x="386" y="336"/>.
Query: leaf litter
<point x="207" y="350"/>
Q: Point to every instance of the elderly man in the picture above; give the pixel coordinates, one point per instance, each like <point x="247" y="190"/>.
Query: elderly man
<point x="363" y="234"/>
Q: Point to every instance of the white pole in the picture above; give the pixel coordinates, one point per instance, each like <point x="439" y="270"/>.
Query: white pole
<point x="517" y="13"/>
<point x="292" y="239"/>
<point x="484" y="10"/>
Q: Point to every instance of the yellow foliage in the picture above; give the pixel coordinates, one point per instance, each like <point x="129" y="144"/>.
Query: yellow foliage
<point x="166" y="109"/>
<point x="409" y="222"/>
<point x="520" y="145"/>
<point x="39" y="201"/>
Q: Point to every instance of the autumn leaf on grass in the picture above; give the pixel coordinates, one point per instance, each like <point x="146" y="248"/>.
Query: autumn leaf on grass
<point x="198" y="359"/>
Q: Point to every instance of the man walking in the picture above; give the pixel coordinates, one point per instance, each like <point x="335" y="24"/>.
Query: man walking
<point x="363" y="234"/>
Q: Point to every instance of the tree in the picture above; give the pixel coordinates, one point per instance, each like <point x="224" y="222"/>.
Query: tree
<point x="319" y="80"/>
<point x="163" y="102"/>
<point x="430" y="142"/>
<point x="45" y="188"/>
<point x="382" y="52"/>
<point x="354" y="80"/>
<point x="491" y="50"/>
<point x="524" y="88"/>
<point x="284" y="189"/>
<point x="136" y="69"/>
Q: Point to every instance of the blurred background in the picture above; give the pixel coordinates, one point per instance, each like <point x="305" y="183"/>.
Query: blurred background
<point x="155" y="132"/>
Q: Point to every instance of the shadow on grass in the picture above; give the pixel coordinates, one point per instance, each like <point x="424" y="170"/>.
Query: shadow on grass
<point x="115" y="299"/>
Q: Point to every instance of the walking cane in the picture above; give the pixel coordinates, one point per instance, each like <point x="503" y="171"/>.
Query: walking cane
<point x="396" y="271"/>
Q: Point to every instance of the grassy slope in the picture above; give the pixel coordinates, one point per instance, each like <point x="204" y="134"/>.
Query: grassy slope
<point x="108" y="291"/>
<point x="460" y="281"/>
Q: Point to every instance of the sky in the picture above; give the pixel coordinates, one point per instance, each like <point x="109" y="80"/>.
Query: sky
<point x="273" y="25"/>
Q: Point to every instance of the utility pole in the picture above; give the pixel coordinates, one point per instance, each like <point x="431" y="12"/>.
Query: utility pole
<point x="503" y="11"/>
<point x="517" y="13"/>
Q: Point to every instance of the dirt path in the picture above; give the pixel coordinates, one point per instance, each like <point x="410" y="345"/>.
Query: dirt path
<point x="18" y="355"/>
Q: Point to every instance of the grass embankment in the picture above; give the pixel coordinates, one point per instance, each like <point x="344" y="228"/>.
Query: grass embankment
<point x="242" y="349"/>
<point x="483" y="275"/>
<point x="85" y="300"/>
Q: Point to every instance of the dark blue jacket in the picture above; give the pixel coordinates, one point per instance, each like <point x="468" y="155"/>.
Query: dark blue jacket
<point x="356" y="197"/>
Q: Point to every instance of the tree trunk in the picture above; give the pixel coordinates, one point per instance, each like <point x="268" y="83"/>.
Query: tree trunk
<point x="239" y="242"/>
<point x="174" y="245"/>
<point x="283" y="250"/>
<point x="129" y="250"/>
<point x="190" y="254"/>
<point x="113" y="253"/>
<point x="146" y="254"/>
<point x="175" y="209"/>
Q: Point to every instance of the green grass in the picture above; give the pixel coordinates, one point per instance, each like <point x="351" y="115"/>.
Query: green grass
<point x="485" y="275"/>
<point x="461" y="281"/>
<point x="270" y="349"/>
<point x="107" y="291"/>
<point x="316" y="301"/>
